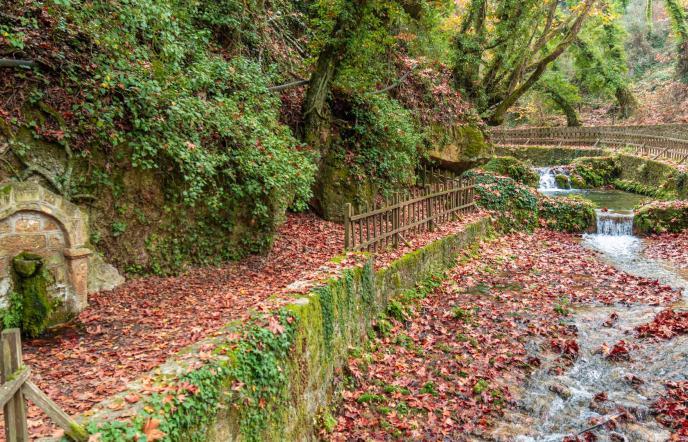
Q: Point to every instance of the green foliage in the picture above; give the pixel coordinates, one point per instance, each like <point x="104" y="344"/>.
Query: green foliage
<point x="158" y="93"/>
<point x="570" y="214"/>
<point x="662" y="217"/>
<point x="514" y="168"/>
<point x="642" y="189"/>
<point x="379" y="140"/>
<point x="563" y="181"/>
<point x="515" y="205"/>
<point x="595" y="171"/>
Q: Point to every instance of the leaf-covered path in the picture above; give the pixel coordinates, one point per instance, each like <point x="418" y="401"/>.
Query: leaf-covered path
<point x="449" y="365"/>
<point x="134" y="328"/>
<point x="128" y="331"/>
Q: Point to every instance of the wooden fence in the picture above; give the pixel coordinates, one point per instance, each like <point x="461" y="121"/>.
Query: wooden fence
<point x="654" y="146"/>
<point x="16" y="387"/>
<point x="420" y="210"/>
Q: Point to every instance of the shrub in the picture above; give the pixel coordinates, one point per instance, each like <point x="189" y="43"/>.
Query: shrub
<point x="378" y="140"/>
<point x="595" y="171"/>
<point x="514" y="204"/>
<point x="569" y="214"/>
<point x="513" y="168"/>
<point x="662" y="217"/>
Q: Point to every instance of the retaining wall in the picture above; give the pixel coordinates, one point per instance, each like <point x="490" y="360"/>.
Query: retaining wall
<point x="325" y="323"/>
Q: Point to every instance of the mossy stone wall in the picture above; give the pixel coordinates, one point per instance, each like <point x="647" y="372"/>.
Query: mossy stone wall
<point x="325" y="323"/>
<point x="653" y="174"/>
<point x="542" y="156"/>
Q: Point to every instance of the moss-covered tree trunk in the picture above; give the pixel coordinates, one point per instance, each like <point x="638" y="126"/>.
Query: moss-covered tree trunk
<point x="627" y="102"/>
<point x="329" y="59"/>
<point x="572" y="119"/>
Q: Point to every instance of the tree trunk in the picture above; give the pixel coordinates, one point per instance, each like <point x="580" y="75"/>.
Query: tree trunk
<point x="572" y="119"/>
<point x="496" y="116"/>
<point x="328" y="62"/>
<point x="627" y="102"/>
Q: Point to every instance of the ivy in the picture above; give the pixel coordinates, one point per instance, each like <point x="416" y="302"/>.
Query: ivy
<point x="191" y="401"/>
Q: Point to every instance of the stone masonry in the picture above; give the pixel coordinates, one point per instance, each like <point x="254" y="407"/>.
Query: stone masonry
<point x="33" y="219"/>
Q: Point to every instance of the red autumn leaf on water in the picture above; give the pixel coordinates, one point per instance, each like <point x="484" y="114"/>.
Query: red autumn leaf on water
<point x="666" y="325"/>
<point x="566" y="347"/>
<point x="275" y="326"/>
<point x="600" y="397"/>
<point x="613" y="317"/>
<point x="152" y="431"/>
<point x="619" y="352"/>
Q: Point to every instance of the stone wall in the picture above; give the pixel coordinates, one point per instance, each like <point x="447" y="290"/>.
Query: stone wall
<point x="35" y="220"/>
<point x="329" y="320"/>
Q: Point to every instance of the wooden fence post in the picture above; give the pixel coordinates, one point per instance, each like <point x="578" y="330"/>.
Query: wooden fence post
<point x="15" y="409"/>
<point x="429" y="203"/>
<point x="396" y="218"/>
<point x="347" y="226"/>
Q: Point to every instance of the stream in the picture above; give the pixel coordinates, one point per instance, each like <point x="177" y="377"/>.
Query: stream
<point x="552" y="407"/>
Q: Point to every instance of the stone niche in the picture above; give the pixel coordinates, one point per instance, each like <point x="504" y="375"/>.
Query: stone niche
<point x="35" y="220"/>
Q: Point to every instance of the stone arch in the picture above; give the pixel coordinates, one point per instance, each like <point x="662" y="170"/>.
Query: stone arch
<point x="35" y="219"/>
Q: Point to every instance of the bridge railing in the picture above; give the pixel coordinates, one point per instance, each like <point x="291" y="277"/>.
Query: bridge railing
<point x="655" y="146"/>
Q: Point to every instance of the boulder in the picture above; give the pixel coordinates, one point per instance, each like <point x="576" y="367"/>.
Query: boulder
<point x="459" y="148"/>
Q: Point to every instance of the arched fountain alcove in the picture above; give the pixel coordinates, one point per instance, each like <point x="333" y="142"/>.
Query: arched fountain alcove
<point x="35" y="220"/>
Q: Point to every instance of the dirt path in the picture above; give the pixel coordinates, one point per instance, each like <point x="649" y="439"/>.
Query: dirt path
<point x="455" y="363"/>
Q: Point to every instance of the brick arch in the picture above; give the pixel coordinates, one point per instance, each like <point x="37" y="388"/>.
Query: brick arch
<point x="34" y="219"/>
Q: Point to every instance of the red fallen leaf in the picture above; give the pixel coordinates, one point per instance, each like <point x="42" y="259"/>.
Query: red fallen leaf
<point x="152" y="431"/>
<point x="274" y="326"/>
<point x="600" y="397"/>
<point x="619" y="352"/>
<point x="613" y="317"/>
<point x="665" y="325"/>
<point x="116" y="406"/>
<point x="131" y="398"/>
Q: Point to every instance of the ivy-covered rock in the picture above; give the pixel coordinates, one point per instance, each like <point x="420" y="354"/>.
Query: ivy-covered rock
<point x="572" y="214"/>
<point x="563" y="181"/>
<point x="662" y="217"/>
<point x="515" y="205"/>
<point x="514" y="168"/>
<point x="595" y="171"/>
<point x="521" y="208"/>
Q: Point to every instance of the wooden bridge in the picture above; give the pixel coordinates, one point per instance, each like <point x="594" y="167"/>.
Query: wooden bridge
<point x="639" y="140"/>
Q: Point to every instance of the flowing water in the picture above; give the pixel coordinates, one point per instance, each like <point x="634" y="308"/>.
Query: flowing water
<point x="552" y="407"/>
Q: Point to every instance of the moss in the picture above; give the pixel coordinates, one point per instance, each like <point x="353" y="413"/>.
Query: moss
<point x="577" y="181"/>
<point x="662" y="217"/>
<point x="458" y="148"/>
<point x="31" y="286"/>
<point x="542" y="156"/>
<point x="596" y="171"/>
<point x="668" y="181"/>
<point x="513" y="168"/>
<point x="563" y="181"/>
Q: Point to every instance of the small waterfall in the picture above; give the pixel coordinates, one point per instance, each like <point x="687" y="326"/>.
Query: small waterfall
<point x="547" y="178"/>
<point x="614" y="223"/>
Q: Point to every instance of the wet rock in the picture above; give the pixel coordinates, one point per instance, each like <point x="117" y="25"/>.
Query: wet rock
<point x="617" y="437"/>
<point x="561" y="390"/>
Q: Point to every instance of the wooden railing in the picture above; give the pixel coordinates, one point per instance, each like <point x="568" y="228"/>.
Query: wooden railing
<point x="654" y="146"/>
<point x="420" y="210"/>
<point x="16" y="387"/>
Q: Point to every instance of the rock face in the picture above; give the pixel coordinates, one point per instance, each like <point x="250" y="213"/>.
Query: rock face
<point x="459" y="148"/>
<point x="101" y="275"/>
<point x="335" y="187"/>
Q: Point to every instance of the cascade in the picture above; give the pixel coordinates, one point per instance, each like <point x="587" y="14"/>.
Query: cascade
<point x="614" y="223"/>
